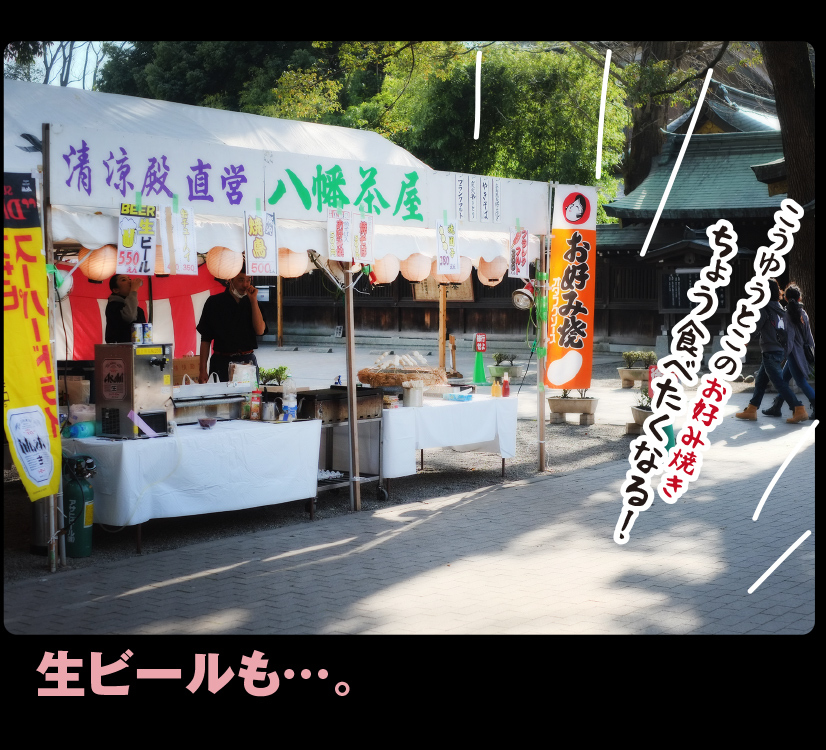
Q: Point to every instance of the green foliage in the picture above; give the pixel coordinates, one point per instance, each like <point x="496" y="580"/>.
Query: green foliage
<point x="648" y="358"/>
<point x="500" y="357"/>
<point x="644" y="400"/>
<point x="277" y="374"/>
<point x="583" y="392"/>
<point x="630" y="357"/>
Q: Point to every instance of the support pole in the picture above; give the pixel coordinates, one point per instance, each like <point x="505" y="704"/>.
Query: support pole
<point x="442" y="323"/>
<point x="54" y="520"/>
<point x="352" y="404"/>
<point x="280" y="313"/>
<point x="542" y="338"/>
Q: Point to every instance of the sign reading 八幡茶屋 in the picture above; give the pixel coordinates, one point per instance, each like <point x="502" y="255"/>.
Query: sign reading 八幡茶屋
<point x="261" y="244"/>
<point x="571" y="287"/>
<point x="29" y="403"/>
<point x="137" y="237"/>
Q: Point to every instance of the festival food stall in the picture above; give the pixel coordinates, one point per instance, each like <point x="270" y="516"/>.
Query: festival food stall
<point x="153" y="188"/>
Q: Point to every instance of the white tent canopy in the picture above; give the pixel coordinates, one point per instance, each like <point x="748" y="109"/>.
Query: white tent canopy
<point x="271" y="142"/>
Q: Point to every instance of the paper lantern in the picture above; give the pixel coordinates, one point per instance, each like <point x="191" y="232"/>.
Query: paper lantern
<point x="160" y="270"/>
<point x="438" y="278"/>
<point x="416" y="267"/>
<point x="486" y="281"/>
<point x="100" y="264"/>
<point x="63" y="283"/>
<point x="463" y="273"/>
<point x="290" y="264"/>
<point x="224" y="263"/>
<point x="493" y="270"/>
<point x="384" y="270"/>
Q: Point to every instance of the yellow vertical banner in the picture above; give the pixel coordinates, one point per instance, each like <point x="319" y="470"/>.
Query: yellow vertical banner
<point x="571" y="284"/>
<point x="29" y="394"/>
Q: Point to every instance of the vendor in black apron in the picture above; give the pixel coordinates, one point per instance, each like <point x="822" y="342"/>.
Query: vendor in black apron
<point x="230" y="322"/>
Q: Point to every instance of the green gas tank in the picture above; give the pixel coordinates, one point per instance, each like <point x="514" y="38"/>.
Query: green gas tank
<point x="78" y="504"/>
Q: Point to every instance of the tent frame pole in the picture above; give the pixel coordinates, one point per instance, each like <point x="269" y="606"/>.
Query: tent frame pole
<point x="442" y="324"/>
<point x="541" y="291"/>
<point x="352" y="404"/>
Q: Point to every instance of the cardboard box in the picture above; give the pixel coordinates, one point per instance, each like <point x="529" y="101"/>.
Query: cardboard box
<point x="185" y="366"/>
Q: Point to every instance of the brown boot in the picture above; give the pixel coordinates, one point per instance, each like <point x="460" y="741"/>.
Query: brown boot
<point x="799" y="415"/>
<point x="749" y="413"/>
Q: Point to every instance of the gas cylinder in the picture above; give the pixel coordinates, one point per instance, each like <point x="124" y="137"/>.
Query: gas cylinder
<point x="78" y="504"/>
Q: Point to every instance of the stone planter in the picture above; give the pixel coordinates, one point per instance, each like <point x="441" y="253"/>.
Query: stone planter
<point x="514" y="371"/>
<point x="585" y="407"/>
<point x="640" y="415"/>
<point x="632" y="374"/>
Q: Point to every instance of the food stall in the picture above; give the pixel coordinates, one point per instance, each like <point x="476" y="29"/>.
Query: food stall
<point x="283" y="193"/>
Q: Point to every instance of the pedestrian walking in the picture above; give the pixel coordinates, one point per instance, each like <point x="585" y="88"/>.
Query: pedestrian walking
<point x="800" y="351"/>
<point x="773" y="333"/>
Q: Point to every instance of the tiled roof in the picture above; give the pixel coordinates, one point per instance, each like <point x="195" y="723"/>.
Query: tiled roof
<point x="715" y="180"/>
<point x="729" y="119"/>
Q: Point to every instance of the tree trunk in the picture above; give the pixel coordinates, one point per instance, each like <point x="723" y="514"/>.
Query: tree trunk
<point x="646" y="138"/>
<point x="790" y="71"/>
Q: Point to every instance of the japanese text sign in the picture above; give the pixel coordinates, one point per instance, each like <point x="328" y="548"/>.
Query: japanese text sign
<point x="338" y="235"/>
<point x="518" y="254"/>
<point x="481" y="342"/>
<point x="571" y="288"/>
<point x="102" y="169"/>
<point x="137" y="237"/>
<point x="29" y="395"/>
<point x="362" y="228"/>
<point x="261" y="245"/>
<point x="447" y="251"/>
<point x="177" y="234"/>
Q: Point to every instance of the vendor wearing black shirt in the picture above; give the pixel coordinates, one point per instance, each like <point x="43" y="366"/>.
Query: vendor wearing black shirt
<point x="230" y="321"/>
<point x="122" y="309"/>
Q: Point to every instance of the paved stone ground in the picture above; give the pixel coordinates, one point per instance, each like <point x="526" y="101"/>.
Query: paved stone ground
<point x="529" y="557"/>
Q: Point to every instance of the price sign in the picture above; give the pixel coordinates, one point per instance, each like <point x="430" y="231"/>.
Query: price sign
<point x="137" y="237"/>
<point x="481" y="342"/>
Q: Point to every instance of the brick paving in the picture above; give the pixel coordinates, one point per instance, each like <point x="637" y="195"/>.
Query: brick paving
<point x="529" y="557"/>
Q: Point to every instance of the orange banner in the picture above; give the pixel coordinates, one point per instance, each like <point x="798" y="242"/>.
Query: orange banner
<point x="571" y="284"/>
<point x="29" y="397"/>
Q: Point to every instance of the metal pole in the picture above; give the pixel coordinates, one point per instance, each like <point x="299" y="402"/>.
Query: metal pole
<point x="279" y="313"/>
<point x="352" y="404"/>
<point x="541" y="291"/>
<point x="442" y="323"/>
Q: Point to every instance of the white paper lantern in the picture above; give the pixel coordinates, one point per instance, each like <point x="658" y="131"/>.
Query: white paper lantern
<point x="486" y="281"/>
<point x="463" y="273"/>
<point x="290" y="264"/>
<point x="100" y="264"/>
<point x="493" y="270"/>
<point x="416" y="267"/>
<point x="384" y="270"/>
<point x="438" y="278"/>
<point x="224" y="263"/>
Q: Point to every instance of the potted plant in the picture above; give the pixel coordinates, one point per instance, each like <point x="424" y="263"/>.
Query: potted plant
<point x="276" y="375"/>
<point x="584" y="405"/>
<point x="498" y="370"/>
<point x="629" y="374"/>
<point x="642" y="409"/>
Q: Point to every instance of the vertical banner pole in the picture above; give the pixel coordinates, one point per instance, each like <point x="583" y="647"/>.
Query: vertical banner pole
<point x="542" y="343"/>
<point x="280" y="312"/>
<point x="442" y="323"/>
<point x="352" y="405"/>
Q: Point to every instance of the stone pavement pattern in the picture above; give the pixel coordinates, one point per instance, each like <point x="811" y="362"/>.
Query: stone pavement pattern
<point x="527" y="557"/>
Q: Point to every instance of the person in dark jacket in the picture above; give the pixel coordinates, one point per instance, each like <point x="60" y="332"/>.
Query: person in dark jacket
<point x="772" y="319"/>
<point x="122" y="309"/>
<point x="797" y="366"/>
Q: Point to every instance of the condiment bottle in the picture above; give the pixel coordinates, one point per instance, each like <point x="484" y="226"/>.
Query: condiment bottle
<point x="495" y="389"/>
<point x="506" y="386"/>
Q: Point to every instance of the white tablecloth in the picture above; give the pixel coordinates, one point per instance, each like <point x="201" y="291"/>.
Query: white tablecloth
<point x="233" y="465"/>
<point x="482" y="424"/>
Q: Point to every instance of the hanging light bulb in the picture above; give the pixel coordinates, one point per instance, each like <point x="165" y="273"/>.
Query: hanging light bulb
<point x="523" y="298"/>
<point x="99" y="264"/>
<point x="224" y="263"/>
<point x="415" y="267"/>
<point x="292" y="265"/>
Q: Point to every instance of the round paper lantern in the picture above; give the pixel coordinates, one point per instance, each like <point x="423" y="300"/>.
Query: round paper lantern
<point x="224" y="263"/>
<point x="415" y="267"/>
<point x="493" y="270"/>
<point x="290" y="264"/>
<point x="438" y="278"/>
<point x="486" y="281"/>
<point x="463" y="273"/>
<point x="98" y="265"/>
<point x="159" y="267"/>
<point x="384" y="270"/>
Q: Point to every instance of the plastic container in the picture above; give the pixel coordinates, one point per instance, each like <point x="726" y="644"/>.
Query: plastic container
<point x="496" y="389"/>
<point x="82" y="430"/>
<point x="506" y="386"/>
<point x="289" y="401"/>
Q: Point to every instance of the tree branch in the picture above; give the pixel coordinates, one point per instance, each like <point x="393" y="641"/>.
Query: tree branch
<point x="594" y="59"/>
<point x="701" y="74"/>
